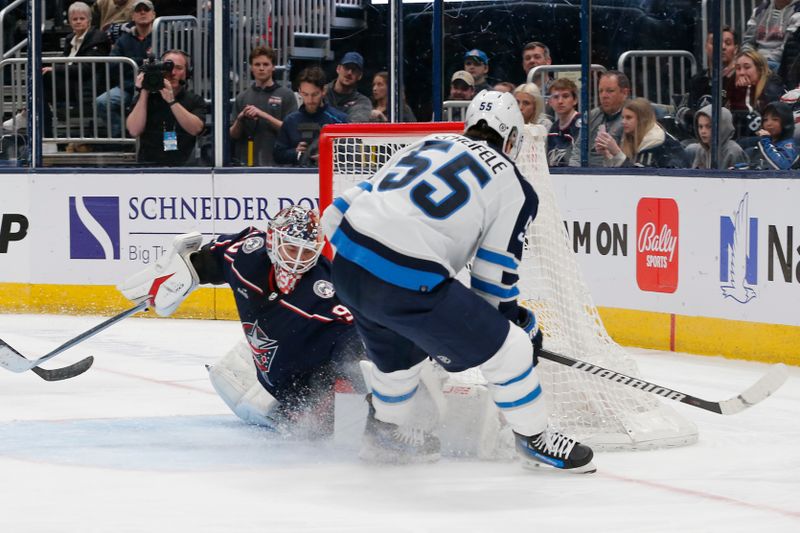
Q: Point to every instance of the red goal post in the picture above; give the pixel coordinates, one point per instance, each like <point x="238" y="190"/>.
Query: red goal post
<point x="373" y="130"/>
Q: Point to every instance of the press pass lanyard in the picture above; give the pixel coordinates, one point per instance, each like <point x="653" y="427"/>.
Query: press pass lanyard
<point x="170" y="138"/>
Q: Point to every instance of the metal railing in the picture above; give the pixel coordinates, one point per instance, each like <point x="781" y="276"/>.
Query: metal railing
<point x="184" y="33"/>
<point x="543" y="73"/>
<point x="75" y="115"/>
<point x="16" y="50"/>
<point x="303" y="19"/>
<point x="454" y="110"/>
<point x="735" y="13"/>
<point x="658" y="74"/>
<point x="252" y="24"/>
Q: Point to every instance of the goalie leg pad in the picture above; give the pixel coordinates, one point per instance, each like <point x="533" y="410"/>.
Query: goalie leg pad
<point x="392" y="392"/>
<point x="234" y="379"/>
<point x="514" y="384"/>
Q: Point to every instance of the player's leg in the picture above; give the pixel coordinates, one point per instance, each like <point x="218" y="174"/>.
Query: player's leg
<point x="461" y="330"/>
<point x="389" y="437"/>
<point x="393" y="376"/>
<point x="514" y="384"/>
<point x="508" y="366"/>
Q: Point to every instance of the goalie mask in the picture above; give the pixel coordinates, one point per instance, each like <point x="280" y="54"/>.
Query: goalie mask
<point x="501" y="113"/>
<point x="294" y="243"/>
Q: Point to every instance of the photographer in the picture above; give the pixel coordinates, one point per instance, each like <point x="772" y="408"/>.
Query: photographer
<point x="134" y="42"/>
<point x="166" y="117"/>
<point x="297" y="142"/>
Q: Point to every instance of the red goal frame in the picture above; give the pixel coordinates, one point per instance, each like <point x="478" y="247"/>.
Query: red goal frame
<point x="331" y="132"/>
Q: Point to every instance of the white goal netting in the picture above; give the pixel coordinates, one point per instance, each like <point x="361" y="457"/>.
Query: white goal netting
<point x="603" y="414"/>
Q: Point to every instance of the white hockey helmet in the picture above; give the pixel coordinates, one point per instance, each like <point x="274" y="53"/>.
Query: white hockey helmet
<point x="294" y="240"/>
<point x="501" y="113"/>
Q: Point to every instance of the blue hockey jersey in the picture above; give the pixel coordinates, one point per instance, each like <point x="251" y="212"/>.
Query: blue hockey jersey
<point x="291" y="335"/>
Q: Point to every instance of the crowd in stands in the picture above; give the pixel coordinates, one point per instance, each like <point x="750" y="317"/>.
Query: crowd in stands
<point x="275" y="125"/>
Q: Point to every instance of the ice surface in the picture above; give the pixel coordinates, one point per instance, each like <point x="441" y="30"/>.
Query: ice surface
<point x="141" y="443"/>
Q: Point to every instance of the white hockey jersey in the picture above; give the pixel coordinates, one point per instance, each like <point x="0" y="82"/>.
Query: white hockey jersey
<point x="435" y="206"/>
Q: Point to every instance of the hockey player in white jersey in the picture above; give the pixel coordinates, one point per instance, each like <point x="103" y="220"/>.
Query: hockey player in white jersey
<point x="401" y="238"/>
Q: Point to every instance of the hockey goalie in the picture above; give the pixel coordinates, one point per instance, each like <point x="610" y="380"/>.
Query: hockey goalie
<point x="298" y="338"/>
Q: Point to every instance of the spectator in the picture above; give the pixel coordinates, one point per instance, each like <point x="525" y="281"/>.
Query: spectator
<point x="776" y="146"/>
<point x="755" y="87"/>
<point x="136" y="44"/>
<point x="71" y="78"/>
<point x="380" y="101"/>
<point x="730" y="153"/>
<point x="259" y="111"/>
<point x="772" y="23"/>
<point x="342" y="93"/>
<point x="567" y="126"/>
<point x="462" y="86"/>
<point x="536" y="54"/>
<point x="644" y="141"/>
<point x="504" y="87"/>
<point x="112" y="15"/>
<point x="531" y="105"/>
<point x="167" y="122"/>
<point x="613" y="89"/>
<point x="700" y="83"/>
<point x="476" y="62"/>
<point x="298" y="139"/>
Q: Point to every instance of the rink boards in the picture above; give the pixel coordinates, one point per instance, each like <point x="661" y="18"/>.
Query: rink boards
<point x="703" y="265"/>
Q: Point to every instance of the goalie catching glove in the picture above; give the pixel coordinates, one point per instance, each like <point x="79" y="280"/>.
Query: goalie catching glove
<point x="170" y="280"/>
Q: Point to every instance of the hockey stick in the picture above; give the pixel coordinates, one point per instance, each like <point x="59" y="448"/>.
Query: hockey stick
<point x="12" y="360"/>
<point x="65" y="372"/>
<point x="769" y="383"/>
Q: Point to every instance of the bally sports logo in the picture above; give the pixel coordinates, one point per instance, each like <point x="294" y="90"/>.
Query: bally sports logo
<point x="657" y="244"/>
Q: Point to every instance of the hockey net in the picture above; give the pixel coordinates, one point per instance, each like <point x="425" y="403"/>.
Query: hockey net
<point x="601" y="413"/>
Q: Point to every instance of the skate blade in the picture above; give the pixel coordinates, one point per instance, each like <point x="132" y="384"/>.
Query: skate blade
<point x="532" y="464"/>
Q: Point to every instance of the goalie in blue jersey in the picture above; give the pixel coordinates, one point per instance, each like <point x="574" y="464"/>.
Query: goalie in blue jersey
<point x="401" y="238"/>
<point x="298" y="337"/>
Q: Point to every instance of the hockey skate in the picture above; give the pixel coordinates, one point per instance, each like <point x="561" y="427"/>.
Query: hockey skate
<point x="389" y="443"/>
<point x="551" y="448"/>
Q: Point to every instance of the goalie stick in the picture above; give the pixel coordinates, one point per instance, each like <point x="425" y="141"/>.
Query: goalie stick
<point x="12" y="360"/>
<point x="764" y="387"/>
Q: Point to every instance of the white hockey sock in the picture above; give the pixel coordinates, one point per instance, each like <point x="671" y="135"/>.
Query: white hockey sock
<point x="392" y="392"/>
<point x="514" y="384"/>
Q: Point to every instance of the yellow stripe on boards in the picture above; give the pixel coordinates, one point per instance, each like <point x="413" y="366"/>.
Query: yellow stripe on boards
<point x="769" y="343"/>
<point x="753" y="341"/>
<point x="210" y="303"/>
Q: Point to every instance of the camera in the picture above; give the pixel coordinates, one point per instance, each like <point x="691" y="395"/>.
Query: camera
<point x="154" y="74"/>
<point x="309" y="133"/>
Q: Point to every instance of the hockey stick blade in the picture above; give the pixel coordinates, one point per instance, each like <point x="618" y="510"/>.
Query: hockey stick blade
<point x="55" y="374"/>
<point x="761" y="389"/>
<point x="12" y="360"/>
<point x="65" y="372"/>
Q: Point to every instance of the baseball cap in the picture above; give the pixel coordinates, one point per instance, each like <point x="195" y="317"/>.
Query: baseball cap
<point x="352" y="58"/>
<point x="480" y="55"/>
<point x="464" y="76"/>
<point x="147" y="3"/>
